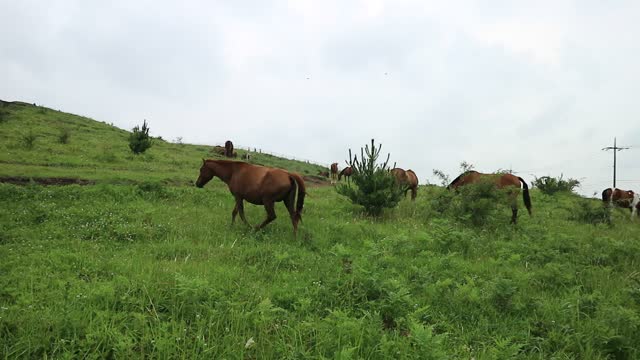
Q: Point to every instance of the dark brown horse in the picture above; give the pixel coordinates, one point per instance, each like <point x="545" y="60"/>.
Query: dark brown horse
<point x="259" y="185"/>
<point x="228" y="149"/>
<point x="323" y="173"/>
<point x="501" y="181"/>
<point x="347" y="172"/>
<point x="334" y="172"/>
<point x="408" y="180"/>
<point x="622" y="198"/>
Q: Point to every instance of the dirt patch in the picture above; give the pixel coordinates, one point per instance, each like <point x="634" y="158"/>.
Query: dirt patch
<point x="18" y="180"/>
<point x="314" y="180"/>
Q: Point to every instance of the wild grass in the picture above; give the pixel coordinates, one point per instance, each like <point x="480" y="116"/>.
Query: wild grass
<point x="135" y="268"/>
<point x="157" y="271"/>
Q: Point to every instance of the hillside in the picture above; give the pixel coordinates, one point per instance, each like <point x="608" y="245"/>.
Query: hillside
<point x="128" y="268"/>
<point x="98" y="151"/>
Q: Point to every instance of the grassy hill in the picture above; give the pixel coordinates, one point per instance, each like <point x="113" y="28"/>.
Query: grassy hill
<point x="136" y="269"/>
<point x="99" y="151"/>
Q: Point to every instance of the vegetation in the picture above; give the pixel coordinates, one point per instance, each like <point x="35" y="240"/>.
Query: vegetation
<point x="139" y="140"/>
<point x="550" y="185"/>
<point x="100" y="152"/>
<point x="375" y="188"/>
<point x="145" y="269"/>
<point x="64" y="136"/>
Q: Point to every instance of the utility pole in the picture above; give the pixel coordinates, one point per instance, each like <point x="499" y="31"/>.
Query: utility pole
<point x="615" y="149"/>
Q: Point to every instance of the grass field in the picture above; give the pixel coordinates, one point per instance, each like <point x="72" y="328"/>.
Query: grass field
<point x="132" y="268"/>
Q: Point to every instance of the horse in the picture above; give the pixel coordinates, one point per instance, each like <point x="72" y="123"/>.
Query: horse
<point x="228" y="149"/>
<point x="622" y="198"/>
<point x="259" y="185"/>
<point x="501" y="181"/>
<point x="323" y="173"/>
<point x="407" y="179"/>
<point x="334" y="172"/>
<point x="347" y="172"/>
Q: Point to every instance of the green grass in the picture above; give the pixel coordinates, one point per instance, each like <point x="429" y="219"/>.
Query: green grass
<point x="99" y="151"/>
<point x="136" y="269"/>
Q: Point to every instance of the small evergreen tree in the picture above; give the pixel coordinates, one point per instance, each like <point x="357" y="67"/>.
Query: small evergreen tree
<point x="139" y="140"/>
<point x="375" y="187"/>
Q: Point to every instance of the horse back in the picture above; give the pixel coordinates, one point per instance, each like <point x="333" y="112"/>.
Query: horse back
<point x="256" y="183"/>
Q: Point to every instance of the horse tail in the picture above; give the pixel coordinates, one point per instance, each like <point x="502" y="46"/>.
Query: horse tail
<point x="606" y="195"/>
<point x="525" y="194"/>
<point x="301" y="193"/>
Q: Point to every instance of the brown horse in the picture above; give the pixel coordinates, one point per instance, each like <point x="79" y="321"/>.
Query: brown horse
<point x="407" y="179"/>
<point x="334" y="172"/>
<point x="228" y="149"/>
<point x="501" y="181"/>
<point x="622" y="198"/>
<point x="347" y="172"/>
<point x="323" y="173"/>
<point x="259" y="185"/>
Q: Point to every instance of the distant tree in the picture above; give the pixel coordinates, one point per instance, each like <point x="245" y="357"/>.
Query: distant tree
<point x="139" y="140"/>
<point x="550" y="185"/>
<point x="375" y="188"/>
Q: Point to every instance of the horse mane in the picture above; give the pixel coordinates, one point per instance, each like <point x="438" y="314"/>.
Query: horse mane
<point x="455" y="181"/>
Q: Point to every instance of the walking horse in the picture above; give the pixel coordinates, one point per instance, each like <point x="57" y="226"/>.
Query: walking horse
<point x="259" y="185"/>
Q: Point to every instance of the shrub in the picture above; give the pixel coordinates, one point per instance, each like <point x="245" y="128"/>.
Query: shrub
<point x="139" y="140"/>
<point x="550" y="185"/>
<point x="4" y="115"/>
<point x="375" y="187"/>
<point x="64" y="135"/>
<point x="28" y="140"/>
<point x="591" y="212"/>
<point x="476" y="203"/>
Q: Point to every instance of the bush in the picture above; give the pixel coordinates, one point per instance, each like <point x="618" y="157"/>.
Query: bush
<point x="64" y="135"/>
<point x="591" y="212"/>
<point x="550" y="185"/>
<point x="4" y="115"/>
<point x="375" y="187"/>
<point x="477" y="202"/>
<point x="139" y="140"/>
<point x="28" y="140"/>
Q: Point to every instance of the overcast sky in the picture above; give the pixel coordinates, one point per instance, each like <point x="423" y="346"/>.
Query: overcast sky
<point x="538" y="88"/>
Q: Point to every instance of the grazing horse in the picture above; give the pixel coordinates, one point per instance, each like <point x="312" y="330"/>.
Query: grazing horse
<point x="228" y="149"/>
<point x="323" y="173"/>
<point x="334" y="172"/>
<point x="622" y="198"/>
<point x="218" y="150"/>
<point x="407" y="179"/>
<point x="259" y="185"/>
<point x="501" y="181"/>
<point x="347" y="172"/>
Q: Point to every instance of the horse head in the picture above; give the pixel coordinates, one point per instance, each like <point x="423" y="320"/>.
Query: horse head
<point x="206" y="174"/>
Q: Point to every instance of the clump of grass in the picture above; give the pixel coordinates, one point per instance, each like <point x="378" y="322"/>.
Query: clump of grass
<point x="64" y="136"/>
<point x="28" y="140"/>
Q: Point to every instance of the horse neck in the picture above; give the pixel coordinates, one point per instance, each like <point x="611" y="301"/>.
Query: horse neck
<point x="222" y="170"/>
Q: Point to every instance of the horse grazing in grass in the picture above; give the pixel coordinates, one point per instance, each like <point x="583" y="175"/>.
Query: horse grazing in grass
<point x="501" y="181"/>
<point x="334" y="172"/>
<point x="259" y="185"/>
<point x="347" y="172"/>
<point x="406" y="179"/>
<point x="622" y="198"/>
<point x="323" y="173"/>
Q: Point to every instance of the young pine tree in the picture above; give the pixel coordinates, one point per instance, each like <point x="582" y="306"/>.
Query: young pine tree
<point x="375" y="187"/>
<point x="139" y="140"/>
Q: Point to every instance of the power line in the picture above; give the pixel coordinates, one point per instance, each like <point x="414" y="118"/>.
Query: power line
<point x="615" y="149"/>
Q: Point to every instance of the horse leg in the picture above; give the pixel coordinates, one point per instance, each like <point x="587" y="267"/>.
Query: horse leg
<point x="271" y="214"/>
<point x="414" y="193"/>
<point x="514" y="208"/>
<point x="240" y="205"/>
